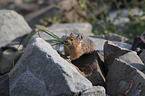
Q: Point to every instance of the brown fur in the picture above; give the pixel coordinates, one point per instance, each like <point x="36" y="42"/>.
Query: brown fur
<point x="74" y="46"/>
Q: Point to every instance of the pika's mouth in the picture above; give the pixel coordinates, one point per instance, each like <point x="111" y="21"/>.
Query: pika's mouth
<point x="66" y="43"/>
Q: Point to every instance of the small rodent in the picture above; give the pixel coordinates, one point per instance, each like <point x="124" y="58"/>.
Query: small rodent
<point x="75" y="46"/>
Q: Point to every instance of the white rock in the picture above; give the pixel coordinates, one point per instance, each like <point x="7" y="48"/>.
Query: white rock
<point x="12" y="25"/>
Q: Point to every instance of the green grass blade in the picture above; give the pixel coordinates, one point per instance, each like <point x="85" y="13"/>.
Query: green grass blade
<point x="51" y="34"/>
<point x="56" y="44"/>
<point x="51" y="40"/>
<point x="27" y="38"/>
<point x="39" y="34"/>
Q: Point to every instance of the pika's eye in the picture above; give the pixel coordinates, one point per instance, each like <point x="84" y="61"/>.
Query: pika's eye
<point x="71" y="39"/>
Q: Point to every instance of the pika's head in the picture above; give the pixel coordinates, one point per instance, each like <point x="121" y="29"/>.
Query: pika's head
<point x="73" y="40"/>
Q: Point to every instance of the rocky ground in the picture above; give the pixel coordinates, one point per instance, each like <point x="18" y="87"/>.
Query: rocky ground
<point x="37" y="69"/>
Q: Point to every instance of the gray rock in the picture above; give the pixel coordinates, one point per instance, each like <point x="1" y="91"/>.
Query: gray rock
<point x="142" y="56"/>
<point x="69" y="94"/>
<point x="47" y="37"/>
<point x="1" y="52"/>
<point x="112" y="51"/>
<point x="122" y="45"/>
<point x="93" y="68"/>
<point x="77" y="28"/>
<point x="100" y="43"/>
<point x="12" y="25"/>
<point x="36" y="16"/>
<point x="136" y="11"/>
<point x="133" y="59"/>
<point x="42" y="72"/>
<point x="124" y="15"/>
<point x="113" y="14"/>
<point x="95" y="91"/>
<point x="8" y="59"/>
<point x="4" y="85"/>
<point x="116" y="37"/>
<point x="125" y="80"/>
<point x="121" y="21"/>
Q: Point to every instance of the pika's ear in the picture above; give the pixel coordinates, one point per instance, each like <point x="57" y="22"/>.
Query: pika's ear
<point x="71" y="34"/>
<point x="80" y="37"/>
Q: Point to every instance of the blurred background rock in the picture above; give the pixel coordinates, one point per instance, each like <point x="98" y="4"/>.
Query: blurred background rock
<point x="122" y="17"/>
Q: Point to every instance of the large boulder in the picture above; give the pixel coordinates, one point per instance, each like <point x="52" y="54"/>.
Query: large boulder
<point x="124" y="79"/>
<point x="42" y="72"/>
<point x="12" y="26"/>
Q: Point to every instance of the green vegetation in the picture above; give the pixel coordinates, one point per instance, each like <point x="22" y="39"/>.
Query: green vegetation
<point x="97" y="13"/>
<point x="56" y="38"/>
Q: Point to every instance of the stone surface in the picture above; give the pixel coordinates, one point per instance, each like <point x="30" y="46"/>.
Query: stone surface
<point x="125" y="80"/>
<point x="143" y="37"/>
<point x="116" y="37"/>
<point x="138" y="43"/>
<point x="47" y="37"/>
<point x="133" y="59"/>
<point x="42" y="72"/>
<point x="8" y="59"/>
<point x="124" y="15"/>
<point x="100" y="43"/>
<point x="68" y="94"/>
<point x="92" y="66"/>
<point x="4" y="85"/>
<point x="12" y="26"/>
<point x="95" y="91"/>
<point x="36" y="16"/>
<point x="112" y="51"/>
<point x="77" y="28"/>
<point x="113" y="14"/>
<point x="142" y="56"/>
<point x="121" y="21"/>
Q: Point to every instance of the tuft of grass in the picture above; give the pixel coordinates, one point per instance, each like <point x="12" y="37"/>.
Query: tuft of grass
<point x="56" y="38"/>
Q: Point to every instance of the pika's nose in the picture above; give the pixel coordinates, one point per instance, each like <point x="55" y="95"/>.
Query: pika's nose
<point x="65" y="41"/>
